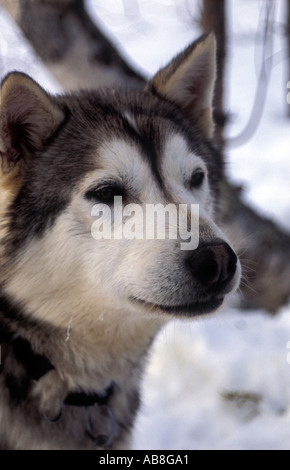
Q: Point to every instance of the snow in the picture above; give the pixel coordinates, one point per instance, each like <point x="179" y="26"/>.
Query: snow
<point x="17" y="54"/>
<point x="221" y="382"/>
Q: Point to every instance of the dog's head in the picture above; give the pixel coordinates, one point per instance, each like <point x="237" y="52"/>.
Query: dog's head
<point x="82" y="175"/>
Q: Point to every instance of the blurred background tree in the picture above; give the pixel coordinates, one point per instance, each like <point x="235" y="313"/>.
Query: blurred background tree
<point x="213" y="18"/>
<point x="288" y="40"/>
<point x="78" y="54"/>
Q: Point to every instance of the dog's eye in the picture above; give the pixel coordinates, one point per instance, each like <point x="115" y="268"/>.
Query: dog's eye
<point x="197" y="179"/>
<point x="104" y="194"/>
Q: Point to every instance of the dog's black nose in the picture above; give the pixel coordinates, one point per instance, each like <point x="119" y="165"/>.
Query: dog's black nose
<point x="213" y="265"/>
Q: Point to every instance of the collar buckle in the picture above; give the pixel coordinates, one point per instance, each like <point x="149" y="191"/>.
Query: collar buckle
<point x="87" y="401"/>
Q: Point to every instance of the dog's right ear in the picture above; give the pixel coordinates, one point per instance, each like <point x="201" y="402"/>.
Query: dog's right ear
<point x="28" y="117"/>
<point x="188" y="81"/>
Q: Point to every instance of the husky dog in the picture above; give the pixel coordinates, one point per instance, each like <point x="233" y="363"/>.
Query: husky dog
<point x="78" y="315"/>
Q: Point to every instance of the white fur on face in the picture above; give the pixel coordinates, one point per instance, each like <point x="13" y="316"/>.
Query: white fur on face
<point x="68" y="270"/>
<point x="178" y="164"/>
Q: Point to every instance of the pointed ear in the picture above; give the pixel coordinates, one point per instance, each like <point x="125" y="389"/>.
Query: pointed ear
<point x="189" y="80"/>
<point x="28" y="117"/>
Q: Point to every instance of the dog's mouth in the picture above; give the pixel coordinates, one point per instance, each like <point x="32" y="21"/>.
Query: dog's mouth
<point x="188" y="309"/>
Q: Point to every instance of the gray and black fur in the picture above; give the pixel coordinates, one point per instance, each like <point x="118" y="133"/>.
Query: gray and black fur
<point x="77" y="316"/>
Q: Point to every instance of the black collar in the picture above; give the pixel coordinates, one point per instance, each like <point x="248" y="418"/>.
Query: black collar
<point x="37" y="365"/>
<point x="90" y="399"/>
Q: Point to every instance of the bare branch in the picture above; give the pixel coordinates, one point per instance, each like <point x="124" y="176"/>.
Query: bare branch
<point x="262" y="80"/>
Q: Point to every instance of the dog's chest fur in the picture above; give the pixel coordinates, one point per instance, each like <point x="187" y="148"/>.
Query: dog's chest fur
<point x="59" y="402"/>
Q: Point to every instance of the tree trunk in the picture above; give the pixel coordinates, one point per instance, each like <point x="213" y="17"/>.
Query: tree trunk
<point x="288" y="60"/>
<point x="78" y="55"/>
<point x="214" y="20"/>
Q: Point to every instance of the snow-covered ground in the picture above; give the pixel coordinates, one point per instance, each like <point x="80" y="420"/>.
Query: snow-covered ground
<point x="221" y="382"/>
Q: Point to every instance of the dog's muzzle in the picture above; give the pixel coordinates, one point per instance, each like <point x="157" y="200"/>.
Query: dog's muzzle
<point x="212" y="269"/>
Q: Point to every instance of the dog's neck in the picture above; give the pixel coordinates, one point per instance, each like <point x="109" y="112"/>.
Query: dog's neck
<point x="72" y="366"/>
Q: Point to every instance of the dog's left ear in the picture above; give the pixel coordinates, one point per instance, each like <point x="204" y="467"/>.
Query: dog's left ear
<point x="189" y="80"/>
<point x="28" y="117"/>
